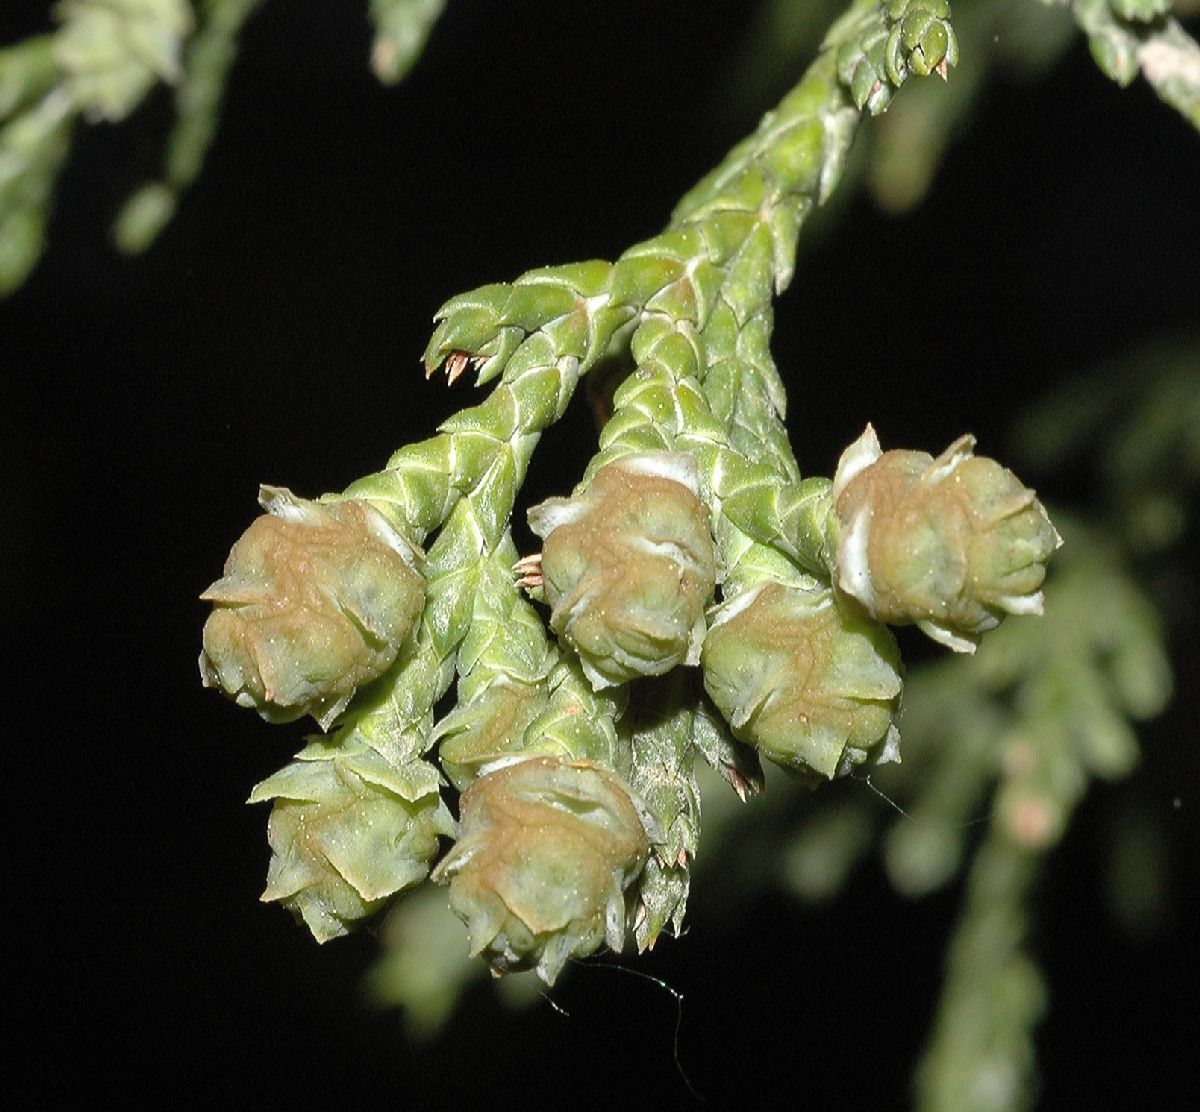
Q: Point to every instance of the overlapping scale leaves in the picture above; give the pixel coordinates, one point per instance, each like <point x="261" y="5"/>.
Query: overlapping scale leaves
<point x="916" y="38"/>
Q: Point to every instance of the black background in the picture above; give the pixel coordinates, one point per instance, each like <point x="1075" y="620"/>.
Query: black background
<point x="273" y="335"/>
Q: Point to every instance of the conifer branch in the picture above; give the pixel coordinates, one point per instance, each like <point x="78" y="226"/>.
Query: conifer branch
<point x="1128" y="37"/>
<point x="401" y="30"/>
<point x="208" y="59"/>
<point x="547" y="738"/>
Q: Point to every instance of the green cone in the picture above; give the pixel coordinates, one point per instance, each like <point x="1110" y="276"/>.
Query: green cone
<point x="316" y="600"/>
<point x="814" y="685"/>
<point x="628" y="566"/>
<point x="347" y="831"/>
<point x="548" y="849"/>
<point x="951" y="543"/>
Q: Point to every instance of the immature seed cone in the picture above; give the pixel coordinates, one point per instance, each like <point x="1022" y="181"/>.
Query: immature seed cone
<point x="951" y="543"/>
<point x="814" y="685"/>
<point x="316" y="600"/>
<point x="628" y="567"/>
<point x="548" y="849"/>
<point x="348" y="830"/>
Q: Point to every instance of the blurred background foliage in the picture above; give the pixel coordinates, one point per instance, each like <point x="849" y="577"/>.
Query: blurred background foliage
<point x="1014" y="916"/>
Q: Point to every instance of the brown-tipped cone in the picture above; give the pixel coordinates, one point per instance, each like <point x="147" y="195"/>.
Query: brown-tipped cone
<point x="951" y="543"/>
<point x="628" y="567"/>
<point x="548" y="849"/>
<point x="814" y="685"/>
<point x="316" y="600"/>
